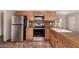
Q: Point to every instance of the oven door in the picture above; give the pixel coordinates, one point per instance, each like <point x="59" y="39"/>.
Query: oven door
<point x="38" y="34"/>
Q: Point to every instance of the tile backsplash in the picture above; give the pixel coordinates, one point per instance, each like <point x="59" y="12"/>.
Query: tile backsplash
<point x="48" y="24"/>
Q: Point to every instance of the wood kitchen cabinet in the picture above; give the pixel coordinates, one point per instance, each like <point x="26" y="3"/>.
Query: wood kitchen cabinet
<point x="57" y="41"/>
<point x="47" y="33"/>
<point x="21" y="13"/>
<point x="49" y="15"/>
<point x="29" y="33"/>
<point x="38" y="13"/>
<point x="59" y="44"/>
<point x="60" y="41"/>
<point x="53" y="41"/>
<point x="18" y="13"/>
<point x="30" y="15"/>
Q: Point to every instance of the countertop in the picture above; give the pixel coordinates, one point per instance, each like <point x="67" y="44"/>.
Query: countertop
<point x="60" y="30"/>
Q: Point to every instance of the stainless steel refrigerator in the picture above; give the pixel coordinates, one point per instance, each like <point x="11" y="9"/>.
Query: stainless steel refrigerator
<point x="17" y="26"/>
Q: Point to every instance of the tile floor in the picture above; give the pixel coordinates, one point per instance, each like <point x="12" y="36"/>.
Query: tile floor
<point x="25" y="44"/>
<point x="44" y="44"/>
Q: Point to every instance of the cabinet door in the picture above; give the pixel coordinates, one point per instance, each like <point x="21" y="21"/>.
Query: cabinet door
<point x="29" y="33"/>
<point x="65" y="45"/>
<point x="38" y="13"/>
<point x="50" y="15"/>
<point x="59" y="43"/>
<point x="21" y="13"/>
<point x="53" y="40"/>
<point x="18" y="13"/>
<point x="47" y="34"/>
<point x="30" y="15"/>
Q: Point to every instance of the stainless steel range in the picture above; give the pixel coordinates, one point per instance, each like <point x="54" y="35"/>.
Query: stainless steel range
<point x="39" y="32"/>
<point x="38" y="29"/>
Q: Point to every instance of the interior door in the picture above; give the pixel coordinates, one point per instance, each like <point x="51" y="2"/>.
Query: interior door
<point x="77" y="23"/>
<point x="72" y="23"/>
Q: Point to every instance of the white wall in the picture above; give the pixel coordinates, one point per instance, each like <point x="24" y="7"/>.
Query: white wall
<point x="7" y="24"/>
<point x="73" y="22"/>
<point x="1" y="23"/>
<point x="77" y="23"/>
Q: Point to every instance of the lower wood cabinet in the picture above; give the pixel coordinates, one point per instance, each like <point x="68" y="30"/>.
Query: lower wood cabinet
<point x="29" y="33"/>
<point x="47" y="33"/>
<point x="59" y="41"/>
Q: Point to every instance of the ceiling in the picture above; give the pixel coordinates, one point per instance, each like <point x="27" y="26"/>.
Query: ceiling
<point x="66" y="12"/>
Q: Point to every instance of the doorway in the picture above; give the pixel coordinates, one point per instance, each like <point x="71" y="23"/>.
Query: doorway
<point x="72" y="23"/>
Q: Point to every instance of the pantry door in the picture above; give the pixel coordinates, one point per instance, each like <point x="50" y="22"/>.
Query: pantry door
<point x="72" y="23"/>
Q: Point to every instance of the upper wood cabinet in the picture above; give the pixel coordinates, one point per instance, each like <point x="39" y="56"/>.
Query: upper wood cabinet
<point x="21" y="13"/>
<point x="47" y="33"/>
<point x="18" y="13"/>
<point x="38" y="13"/>
<point x="30" y="15"/>
<point x="49" y="15"/>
